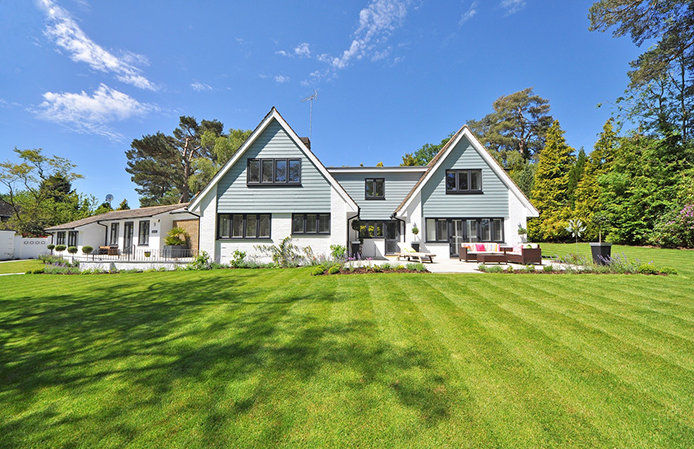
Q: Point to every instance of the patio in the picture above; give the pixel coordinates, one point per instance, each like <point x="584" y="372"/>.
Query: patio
<point x="453" y="265"/>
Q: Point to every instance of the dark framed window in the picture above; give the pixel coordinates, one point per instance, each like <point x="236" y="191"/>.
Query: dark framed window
<point x="60" y="238"/>
<point x="243" y="226"/>
<point x="72" y="238"/>
<point x="467" y="229"/>
<point x="114" y="234"/>
<point x="464" y="181"/>
<point x="143" y="232"/>
<point x="375" y="189"/>
<point x="273" y="172"/>
<point x="310" y="223"/>
<point x="371" y="229"/>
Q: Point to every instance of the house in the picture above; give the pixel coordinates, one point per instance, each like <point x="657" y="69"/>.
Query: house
<point x="275" y="187"/>
<point x="129" y="232"/>
<point x="5" y="210"/>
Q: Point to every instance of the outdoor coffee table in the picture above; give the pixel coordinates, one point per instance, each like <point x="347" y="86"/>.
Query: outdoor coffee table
<point x="491" y="257"/>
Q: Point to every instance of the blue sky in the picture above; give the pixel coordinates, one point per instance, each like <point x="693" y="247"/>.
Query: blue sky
<point x="82" y="78"/>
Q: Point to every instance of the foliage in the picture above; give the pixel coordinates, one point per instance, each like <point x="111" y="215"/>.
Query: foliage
<point x="518" y="124"/>
<point x="86" y="249"/>
<point x="201" y="262"/>
<point x="317" y="270"/>
<point x="550" y="192"/>
<point x="72" y="249"/>
<point x="675" y="229"/>
<point x="237" y="258"/>
<point x="60" y="248"/>
<point x="415" y="229"/>
<point x="167" y="168"/>
<point x="425" y="153"/>
<point x="334" y="269"/>
<point x="50" y="247"/>
<point x="338" y="252"/>
<point x="284" y="255"/>
<point x="123" y="205"/>
<point x="176" y="237"/>
<point x="38" y="189"/>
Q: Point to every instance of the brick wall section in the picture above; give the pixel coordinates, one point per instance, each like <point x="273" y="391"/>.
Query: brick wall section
<point x="192" y="227"/>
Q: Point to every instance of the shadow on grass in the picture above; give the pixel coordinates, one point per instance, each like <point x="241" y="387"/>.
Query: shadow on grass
<point x="207" y="332"/>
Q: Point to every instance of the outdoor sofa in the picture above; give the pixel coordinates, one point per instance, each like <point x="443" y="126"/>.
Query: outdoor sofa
<point x="528" y="253"/>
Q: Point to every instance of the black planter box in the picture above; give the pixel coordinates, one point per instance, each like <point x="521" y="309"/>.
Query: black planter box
<point x="415" y="246"/>
<point x="602" y="253"/>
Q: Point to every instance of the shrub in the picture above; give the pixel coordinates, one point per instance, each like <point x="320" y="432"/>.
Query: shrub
<point x="60" y="248"/>
<point x="386" y="267"/>
<point x="334" y="269"/>
<point x="176" y="237"/>
<point x="675" y="229"/>
<point x="50" y="247"/>
<point x="418" y="267"/>
<point x="668" y="270"/>
<point x="201" y="262"/>
<point x="286" y="254"/>
<point x="647" y="268"/>
<point x="338" y="252"/>
<point x="237" y="258"/>
<point x="72" y="249"/>
<point x="482" y="267"/>
<point x="529" y="268"/>
<point x="50" y="269"/>
<point x="317" y="271"/>
<point x="548" y="268"/>
<point x="87" y="249"/>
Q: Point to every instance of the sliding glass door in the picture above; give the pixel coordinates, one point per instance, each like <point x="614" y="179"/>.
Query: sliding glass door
<point x="455" y="231"/>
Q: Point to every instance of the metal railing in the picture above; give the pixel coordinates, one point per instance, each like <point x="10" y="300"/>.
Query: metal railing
<point x="138" y="254"/>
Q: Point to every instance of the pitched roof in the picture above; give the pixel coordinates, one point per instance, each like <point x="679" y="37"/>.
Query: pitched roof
<point x="273" y="114"/>
<point x="493" y="164"/>
<point x="5" y="209"/>
<point x="119" y="215"/>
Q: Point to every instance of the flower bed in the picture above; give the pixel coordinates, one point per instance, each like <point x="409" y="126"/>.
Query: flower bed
<point x="339" y="268"/>
<point x="575" y="264"/>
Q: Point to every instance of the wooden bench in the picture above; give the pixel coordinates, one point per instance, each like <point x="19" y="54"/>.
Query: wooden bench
<point x="414" y="255"/>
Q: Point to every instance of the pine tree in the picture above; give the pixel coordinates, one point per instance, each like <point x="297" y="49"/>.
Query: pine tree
<point x="550" y="193"/>
<point x="123" y="205"/>
<point x="588" y="190"/>
<point x="576" y="174"/>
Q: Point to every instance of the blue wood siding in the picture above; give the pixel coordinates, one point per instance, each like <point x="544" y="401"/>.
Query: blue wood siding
<point x="493" y="202"/>
<point x="233" y="195"/>
<point x="397" y="185"/>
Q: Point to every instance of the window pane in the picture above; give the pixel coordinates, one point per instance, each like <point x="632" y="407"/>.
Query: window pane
<point x="294" y="171"/>
<point x="485" y="233"/>
<point x="472" y="231"/>
<point x="237" y="225"/>
<point x="264" y="226"/>
<point x="441" y="230"/>
<point x="378" y="229"/>
<point x="462" y="180"/>
<point x="251" y="229"/>
<point x="266" y="175"/>
<point x="369" y="188"/>
<point x="72" y="238"/>
<point x="254" y="171"/>
<point x="143" y="233"/>
<point x="297" y="224"/>
<point x="450" y="180"/>
<point x="431" y="230"/>
<point x="114" y="234"/>
<point x="324" y="223"/>
<point x="496" y="229"/>
<point x="475" y="180"/>
<point x="310" y="223"/>
<point x="224" y="226"/>
<point x="379" y="188"/>
<point x="280" y="170"/>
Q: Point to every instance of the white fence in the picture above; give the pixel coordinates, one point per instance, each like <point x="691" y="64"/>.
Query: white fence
<point x="13" y="246"/>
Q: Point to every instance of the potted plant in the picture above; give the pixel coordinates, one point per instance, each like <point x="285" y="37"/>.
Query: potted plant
<point x="148" y="253"/>
<point x="50" y="248"/>
<point x="522" y="233"/>
<point x="601" y="251"/>
<point x="175" y="241"/>
<point x="415" y="232"/>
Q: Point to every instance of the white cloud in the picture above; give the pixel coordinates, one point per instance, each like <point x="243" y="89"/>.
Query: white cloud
<point x="69" y="36"/>
<point x="281" y="79"/>
<point x="199" y="87"/>
<point x="512" y="6"/>
<point x="302" y="50"/>
<point x="86" y="113"/>
<point x="376" y="22"/>
<point x="469" y="13"/>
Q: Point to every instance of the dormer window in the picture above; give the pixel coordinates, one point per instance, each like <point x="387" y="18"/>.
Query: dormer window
<point x="464" y="181"/>
<point x="375" y="189"/>
<point x="273" y="172"/>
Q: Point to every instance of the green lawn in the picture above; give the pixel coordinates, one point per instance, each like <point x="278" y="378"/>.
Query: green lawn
<point x="278" y="358"/>
<point x="19" y="266"/>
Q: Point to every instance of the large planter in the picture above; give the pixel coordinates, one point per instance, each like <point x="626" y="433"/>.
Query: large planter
<point x="175" y="251"/>
<point x="602" y="253"/>
<point x="415" y="246"/>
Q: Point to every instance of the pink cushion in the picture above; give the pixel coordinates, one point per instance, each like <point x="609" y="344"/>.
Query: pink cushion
<point x="480" y="247"/>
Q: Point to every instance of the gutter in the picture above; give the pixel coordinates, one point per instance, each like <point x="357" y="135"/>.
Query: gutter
<point x="105" y="232"/>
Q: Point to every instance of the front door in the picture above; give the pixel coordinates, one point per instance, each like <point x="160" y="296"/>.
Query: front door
<point x="392" y="236"/>
<point x="128" y="237"/>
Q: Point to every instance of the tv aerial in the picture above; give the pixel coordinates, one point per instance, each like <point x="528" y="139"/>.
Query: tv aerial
<point x="311" y="98"/>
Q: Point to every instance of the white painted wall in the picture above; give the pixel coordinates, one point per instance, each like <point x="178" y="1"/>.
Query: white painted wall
<point x="6" y="245"/>
<point x="517" y="216"/>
